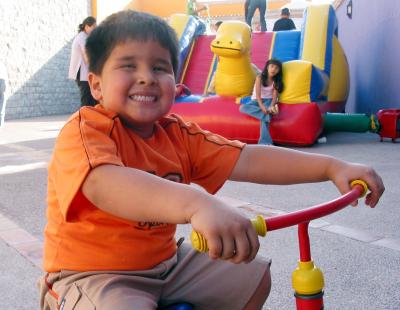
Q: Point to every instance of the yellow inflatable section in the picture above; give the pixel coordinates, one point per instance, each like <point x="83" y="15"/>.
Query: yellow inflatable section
<point x="315" y="35"/>
<point x="234" y="75"/>
<point x="339" y="85"/>
<point x="318" y="70"/>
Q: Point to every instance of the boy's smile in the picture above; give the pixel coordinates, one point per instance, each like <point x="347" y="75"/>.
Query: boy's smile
<point x="137" y="82"/>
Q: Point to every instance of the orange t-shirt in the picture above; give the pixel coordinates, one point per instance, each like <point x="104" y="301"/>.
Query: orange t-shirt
<point x="79" y="236"/>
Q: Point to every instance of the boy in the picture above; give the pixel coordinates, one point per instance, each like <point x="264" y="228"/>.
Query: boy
<point x="118" y="185"/>
<point x="285" y="22"/>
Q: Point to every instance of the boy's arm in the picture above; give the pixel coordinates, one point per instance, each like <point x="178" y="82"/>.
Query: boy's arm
<point x="136" y="195"/>
<point x="275" y="165"/>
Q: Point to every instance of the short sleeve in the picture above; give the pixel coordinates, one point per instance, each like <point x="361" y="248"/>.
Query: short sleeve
<point x="83" y="144"/>
<point x="212" y="156"/>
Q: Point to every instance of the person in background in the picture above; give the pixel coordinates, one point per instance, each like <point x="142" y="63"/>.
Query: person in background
<point x="119" y="182"/>
<point x="285" y="22"/>
<point x="261" y="5"/>
<point x="78" y="66"/>
<point x="265" y="97"/>
<point x="3" y="92"/>
<point x="246" y="9"/>
<point x="192" y="8"/>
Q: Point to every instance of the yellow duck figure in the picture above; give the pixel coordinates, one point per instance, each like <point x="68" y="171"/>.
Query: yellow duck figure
<point x="234" y="74"/>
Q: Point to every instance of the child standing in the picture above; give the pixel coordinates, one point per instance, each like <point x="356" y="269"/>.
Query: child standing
<point x="119" y="180"/>
<point x="193" y="9"/>
<point x="78" y="67"/>
<point x="265" y="97"/>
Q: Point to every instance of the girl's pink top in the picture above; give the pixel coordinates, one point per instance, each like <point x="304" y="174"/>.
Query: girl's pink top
<point x="266" y="92"/>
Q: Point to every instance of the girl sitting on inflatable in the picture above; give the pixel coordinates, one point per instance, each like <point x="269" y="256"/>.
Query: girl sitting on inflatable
<point x="265" y="97"/>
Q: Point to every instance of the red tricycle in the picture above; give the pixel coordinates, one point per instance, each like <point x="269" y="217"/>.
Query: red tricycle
<point x="307" y="279"/>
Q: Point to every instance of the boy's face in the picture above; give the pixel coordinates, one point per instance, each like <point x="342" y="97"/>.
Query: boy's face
<point x="137" y="82"/>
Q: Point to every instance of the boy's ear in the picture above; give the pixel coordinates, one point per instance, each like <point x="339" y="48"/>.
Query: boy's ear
<point x="95" y="86"/>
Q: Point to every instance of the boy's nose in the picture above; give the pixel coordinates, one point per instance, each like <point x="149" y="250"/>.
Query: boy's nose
<point x="146" y="77"/>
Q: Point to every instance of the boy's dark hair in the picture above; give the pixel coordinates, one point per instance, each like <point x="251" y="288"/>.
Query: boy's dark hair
<point x="285" y="11"/>
<point x="88" y="21"/>
<point x="278" y="84"/>
<point x="129" y="25"/>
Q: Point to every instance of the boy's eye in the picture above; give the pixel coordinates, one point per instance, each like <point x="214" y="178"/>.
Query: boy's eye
<point x="128" y="66"/>
<point x="160" y="68"/>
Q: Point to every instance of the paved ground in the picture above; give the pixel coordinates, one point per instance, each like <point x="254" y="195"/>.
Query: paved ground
<point x="357" y="249"/>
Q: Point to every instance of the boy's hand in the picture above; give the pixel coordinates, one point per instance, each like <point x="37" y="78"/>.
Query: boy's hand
<point x="342" y="174"/>
<point x="229" y="235"/>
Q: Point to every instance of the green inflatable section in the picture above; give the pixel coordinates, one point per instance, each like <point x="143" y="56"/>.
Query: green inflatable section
<point x="350" y="122"/>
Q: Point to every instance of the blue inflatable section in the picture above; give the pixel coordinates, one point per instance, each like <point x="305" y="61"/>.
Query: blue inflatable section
<point x="318" y="84"/>
<point x="332" y="30"/>
<point x="189" y="99"/>
<point x="286" y="45"/>
<point x="194" y="27"/>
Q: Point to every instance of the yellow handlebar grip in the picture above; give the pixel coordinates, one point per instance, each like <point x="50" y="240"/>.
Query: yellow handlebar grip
<point x="362" y="183"/>
<point x="259" y="225"/>
<point x="199" y="243"/>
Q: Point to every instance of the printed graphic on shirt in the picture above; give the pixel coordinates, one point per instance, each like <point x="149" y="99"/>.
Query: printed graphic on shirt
<point x="174" y="177"/>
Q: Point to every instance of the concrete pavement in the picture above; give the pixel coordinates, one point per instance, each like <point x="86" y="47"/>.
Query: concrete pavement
<point x="358" y="249"/>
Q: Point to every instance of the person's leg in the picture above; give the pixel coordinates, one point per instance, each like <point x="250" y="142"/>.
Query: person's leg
<point x="262" y="7"/>
<point x="250" y="13"/>
<point x="265" y="137"/>
<point x="216" y="284"/>
<point x="261" y="294"/>
<point x="101" y="291"/>
<point x="246" y="9"/>
<point x="253" y="109"/>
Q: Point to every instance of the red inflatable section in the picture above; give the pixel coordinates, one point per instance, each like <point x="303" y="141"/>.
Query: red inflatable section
<point x="296" y="124"/>
<point x="197" y="71"/>
<point x="220" y="115"/>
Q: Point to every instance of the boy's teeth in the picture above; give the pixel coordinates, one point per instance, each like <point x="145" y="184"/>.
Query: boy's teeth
<point x="142" y="98"/>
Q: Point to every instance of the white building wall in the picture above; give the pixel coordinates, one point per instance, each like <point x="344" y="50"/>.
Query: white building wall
<point x="35" y="43"/>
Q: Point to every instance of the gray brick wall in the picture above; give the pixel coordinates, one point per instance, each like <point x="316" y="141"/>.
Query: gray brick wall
<point x="35" y="45"/>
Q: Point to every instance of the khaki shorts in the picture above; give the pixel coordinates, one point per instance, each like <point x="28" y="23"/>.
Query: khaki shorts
<point x="188" y="276"/>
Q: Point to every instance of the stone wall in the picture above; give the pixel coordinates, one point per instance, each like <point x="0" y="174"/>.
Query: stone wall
<point x="35" y="40"/>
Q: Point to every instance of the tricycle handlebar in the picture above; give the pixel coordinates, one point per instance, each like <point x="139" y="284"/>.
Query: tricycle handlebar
<point x="359" y="189"/>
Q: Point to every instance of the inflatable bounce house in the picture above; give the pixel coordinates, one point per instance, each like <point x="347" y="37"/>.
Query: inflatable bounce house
<point x="315" y="75"/>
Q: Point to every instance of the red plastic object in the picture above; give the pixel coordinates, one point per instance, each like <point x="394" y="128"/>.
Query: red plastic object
<point x="312" y="213"/>
<point x="389" y="119"/>
<point x="310" y="302"/>
<point x="304" y="242"/>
